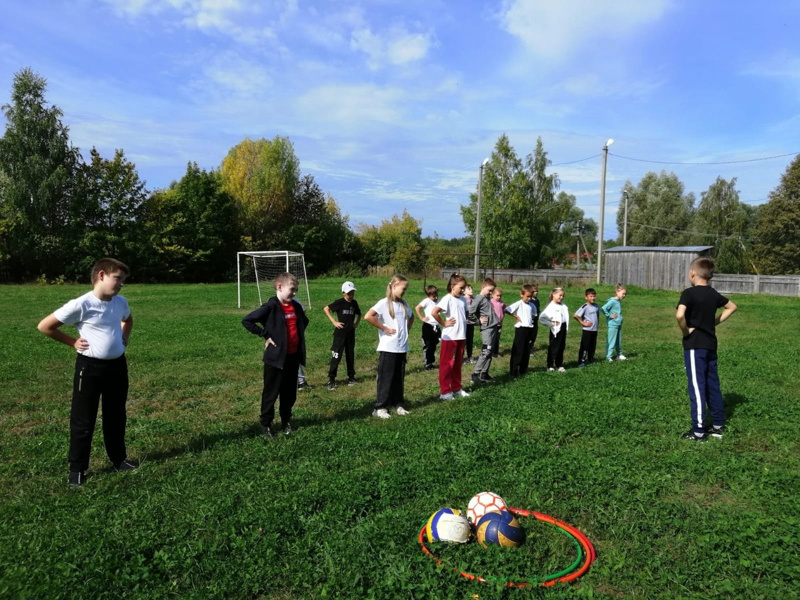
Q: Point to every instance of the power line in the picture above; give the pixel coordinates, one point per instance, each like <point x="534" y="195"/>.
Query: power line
<point x="727" y="162"/>
<point x="574" y="161"/>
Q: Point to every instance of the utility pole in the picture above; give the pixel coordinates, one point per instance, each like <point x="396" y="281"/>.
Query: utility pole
<point x="625" y="225"/>
<point x="478" y="219"/>
<point x="602" y="211"/>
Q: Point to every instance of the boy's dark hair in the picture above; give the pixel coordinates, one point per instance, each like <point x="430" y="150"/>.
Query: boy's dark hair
<point x="703" y="267"/>
<point x="488" y="281"/>
<point x="527" y="288"/>
<point x="590" y="291"/>
<point x="431" y="290"/>
<point x="109" y="266"/>
<point x="455" y="278"/>
<point x="535" y="287"/>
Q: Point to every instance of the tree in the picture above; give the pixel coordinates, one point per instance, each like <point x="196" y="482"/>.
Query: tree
<point x="776" y="243"/>
<point x="722" y="220"/>
<point x="519" y="214"/>
<point x="397" y="242"/>
<point x="192" y="229"/>
<point x="659" y="211"/>
<point x="262" y="177"/>
<point x="318" y="228"/>
<point x="39" y="166"/>
<point x="113" y="199"/>
<point x="574" y="230"/>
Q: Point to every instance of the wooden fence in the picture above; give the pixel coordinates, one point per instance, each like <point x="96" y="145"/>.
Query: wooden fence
<point x="548" y="277"/>
<point x="774" y="285"/>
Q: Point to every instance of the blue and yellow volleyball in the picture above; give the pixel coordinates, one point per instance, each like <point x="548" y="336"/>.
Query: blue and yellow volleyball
<point x="447" y="525"/>
<point x="499" y="529"/>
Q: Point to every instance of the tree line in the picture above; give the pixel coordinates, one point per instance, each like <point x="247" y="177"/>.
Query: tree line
<point x="59" y="212"/>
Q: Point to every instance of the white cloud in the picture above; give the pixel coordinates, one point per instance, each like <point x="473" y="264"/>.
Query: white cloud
<point x="244" y="21"/>
<point x="555" y="29"/>
<point x="397" y="46"/>
<point x="352" y="105"/>
<point x="236" y="74"/>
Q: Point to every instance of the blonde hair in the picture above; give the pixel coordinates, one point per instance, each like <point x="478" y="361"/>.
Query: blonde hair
<point x="391" y="298"/>
<point x="703" y="267"/>
<point x="553" y="293"/>
<point x="284" y="279"/>
<point x="620" y="287"/>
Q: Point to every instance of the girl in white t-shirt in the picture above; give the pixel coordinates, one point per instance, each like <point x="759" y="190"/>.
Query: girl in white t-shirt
<point x="556" y="317"/>
<point x="393" y="318"/>
<point x="451" y="314"/>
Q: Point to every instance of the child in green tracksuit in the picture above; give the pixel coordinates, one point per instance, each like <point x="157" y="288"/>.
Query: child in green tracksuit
<point x="613" y="312"/>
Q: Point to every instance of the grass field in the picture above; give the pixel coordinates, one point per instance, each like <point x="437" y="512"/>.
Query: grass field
<point x="215" y="511"/>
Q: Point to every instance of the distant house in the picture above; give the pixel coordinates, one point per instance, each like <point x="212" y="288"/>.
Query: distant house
<point x="653" y="267"/>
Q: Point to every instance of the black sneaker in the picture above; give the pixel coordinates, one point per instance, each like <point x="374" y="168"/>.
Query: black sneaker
<point x="430" y="367"/>
<point x="332" y="385"/>
<point x="487" y="377"/>
<point x="124" y="466"/>
<point x="266" y="431"/>
<point x="695" y="437"/>
<point x="287" y="429"/>
<point x="477" y="379"/>
<point x="717" y="431"/>
<point x="303" y="385"/>
<point x="352" y="381"/>
<point x="76" y="478"/>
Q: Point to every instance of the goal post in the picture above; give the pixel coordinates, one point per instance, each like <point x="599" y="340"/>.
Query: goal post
<point x="255" y="271"/>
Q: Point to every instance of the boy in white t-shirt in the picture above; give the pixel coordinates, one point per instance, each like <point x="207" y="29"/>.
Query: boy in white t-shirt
<point x="104" y="323"/>
<point x="393" y="318"/>
<point x="525" y="312"/>
<point x="430" y="328"/>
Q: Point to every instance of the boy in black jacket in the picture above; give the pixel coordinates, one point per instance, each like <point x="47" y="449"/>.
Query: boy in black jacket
<point x="282" y="322"/>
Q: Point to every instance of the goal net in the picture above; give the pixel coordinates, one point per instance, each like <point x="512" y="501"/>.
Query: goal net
<point x="256" y="270"/>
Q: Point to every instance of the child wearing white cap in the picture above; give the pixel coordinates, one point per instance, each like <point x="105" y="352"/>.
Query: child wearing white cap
<point x="348" y="316"/>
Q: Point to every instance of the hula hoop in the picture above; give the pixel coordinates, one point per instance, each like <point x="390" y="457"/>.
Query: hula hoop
<point x="586" y="553"/>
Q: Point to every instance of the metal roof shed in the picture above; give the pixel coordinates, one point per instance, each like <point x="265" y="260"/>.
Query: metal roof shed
<point x="653" y="267"/>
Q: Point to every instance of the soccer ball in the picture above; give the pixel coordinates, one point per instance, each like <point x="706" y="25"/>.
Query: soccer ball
<point x="499" y="528"/>
<point x="447" y="525"/>
<point x="483" y="503"/>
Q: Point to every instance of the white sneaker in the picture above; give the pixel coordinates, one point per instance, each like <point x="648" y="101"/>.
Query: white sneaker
<point x="622" y="357"/>
<point x="381" y="413"/>
<point x="610" y="359"/>
<point x="561" y="369"/>
<point x="551" y="369"/>
<point x="462" y="393"/>
<point x="447" y="396"/>
<point x="401" y="411"/>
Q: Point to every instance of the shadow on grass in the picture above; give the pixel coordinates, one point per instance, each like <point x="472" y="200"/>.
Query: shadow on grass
<point x="732" y="401"/>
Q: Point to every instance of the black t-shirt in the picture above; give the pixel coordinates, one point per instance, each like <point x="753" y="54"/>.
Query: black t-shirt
<point x="346" y="313"/>
<point x="701" y="302"/>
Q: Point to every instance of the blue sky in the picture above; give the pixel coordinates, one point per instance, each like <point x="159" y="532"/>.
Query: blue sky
<point x="393" y="104"/>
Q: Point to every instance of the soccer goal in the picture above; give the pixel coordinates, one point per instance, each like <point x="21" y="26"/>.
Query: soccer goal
<point x="256" y="270"/>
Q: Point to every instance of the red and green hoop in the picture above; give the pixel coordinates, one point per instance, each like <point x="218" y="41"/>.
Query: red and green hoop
<point x="585" y="555"/>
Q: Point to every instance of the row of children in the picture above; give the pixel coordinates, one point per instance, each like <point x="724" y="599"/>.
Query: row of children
<point x="527" y="314"/>
<point x="104" y="323"/>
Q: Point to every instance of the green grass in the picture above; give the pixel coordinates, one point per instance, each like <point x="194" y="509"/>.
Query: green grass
<point x="333" y="512"/>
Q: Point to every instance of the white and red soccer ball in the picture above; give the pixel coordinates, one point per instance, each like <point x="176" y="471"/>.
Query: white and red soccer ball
<point x="482" y="503"/>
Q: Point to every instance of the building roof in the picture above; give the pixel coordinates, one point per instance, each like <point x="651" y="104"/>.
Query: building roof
<point x="695" y="249"/>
